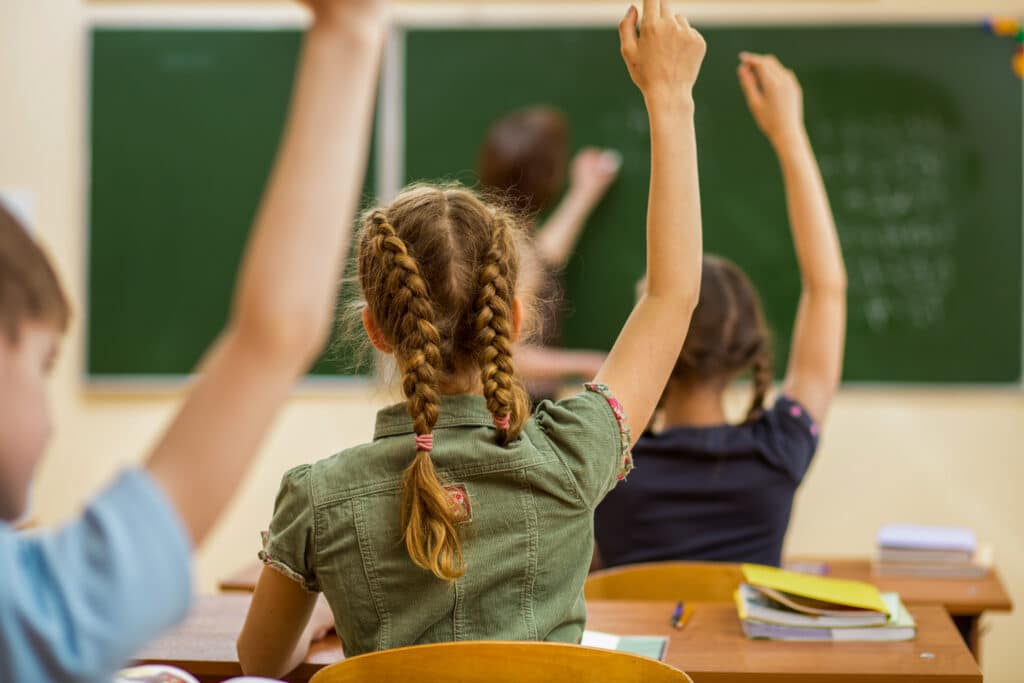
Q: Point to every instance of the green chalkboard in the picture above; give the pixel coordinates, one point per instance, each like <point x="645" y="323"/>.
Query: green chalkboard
<point x="918" y="131"/>
<point x="184" y="128"/>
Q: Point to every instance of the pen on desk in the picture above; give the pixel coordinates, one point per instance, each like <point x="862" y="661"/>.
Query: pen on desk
<point x="677" y="615"/>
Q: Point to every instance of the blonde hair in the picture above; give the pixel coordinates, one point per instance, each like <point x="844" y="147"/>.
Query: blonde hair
<point x="438" y="269"/>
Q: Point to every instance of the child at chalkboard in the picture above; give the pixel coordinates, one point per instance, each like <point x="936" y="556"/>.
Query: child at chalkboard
<point x="524" y="157"/>
<point x="705" y="489"/>
<point x="467" y="517"/>
<point x="77" y="602"/>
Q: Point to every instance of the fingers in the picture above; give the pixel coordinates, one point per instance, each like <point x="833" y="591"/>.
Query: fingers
<point x="627" y="30"/>
<point x="652" y="9"/>
<point x="750" y="86"/>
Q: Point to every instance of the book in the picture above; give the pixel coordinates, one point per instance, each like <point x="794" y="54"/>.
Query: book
<point x="646" y="646"/>
<point x="922" y="537"/>
<point x="759" y="605"/>
<point x="899" y="627"/>
<point x="977" y="568"/>
<point x="905" y="555"/>
<point x="817" y="592"/>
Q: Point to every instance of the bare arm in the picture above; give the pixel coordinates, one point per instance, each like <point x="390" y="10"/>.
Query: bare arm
<point x="593" y="172"/>
<point x="664" y="63"/>
<point x="819" y="333"/>
<point x="292" y="265"/>
<point x="283" y="620"/>
<point x="540" y="363"/>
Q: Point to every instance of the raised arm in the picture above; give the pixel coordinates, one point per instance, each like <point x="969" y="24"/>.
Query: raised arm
<point x="664" y="62"/>
<point x="816" y="355"/>
<point x="290" y="272"/>
<point x="593" y="172"/>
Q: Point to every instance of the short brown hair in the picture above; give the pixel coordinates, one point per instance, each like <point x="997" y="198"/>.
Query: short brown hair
<point x="525" y="156"/>
<point x="29" y="288"/>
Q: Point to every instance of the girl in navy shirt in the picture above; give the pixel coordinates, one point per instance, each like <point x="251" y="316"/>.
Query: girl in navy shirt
<point x="705" y="489"/>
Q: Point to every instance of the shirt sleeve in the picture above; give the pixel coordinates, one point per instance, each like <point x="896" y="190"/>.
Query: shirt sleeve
<point x="288" y="546"/>
<point x="589" y="433"/>
<point x="788" y="437"/>
<point x="77" y="603"/>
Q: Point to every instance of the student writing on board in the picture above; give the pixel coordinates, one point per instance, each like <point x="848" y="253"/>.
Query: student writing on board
<point x="525" y="157"/>
<point x="494" y="503"/>
<point x="704" y="489"/>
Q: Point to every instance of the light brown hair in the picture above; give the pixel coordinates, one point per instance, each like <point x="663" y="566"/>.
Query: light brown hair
<point x="438" y="269"/>
<point x="525" y="156"/>
<point x="728" y="334"/>
<point x="29" y="288"/>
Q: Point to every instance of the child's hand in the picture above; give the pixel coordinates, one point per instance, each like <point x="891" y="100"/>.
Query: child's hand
<point x="665" y="60"/>
<point x="774" y="96"/>
<point x="593" y="172"/>
<point x="342" y="12"/>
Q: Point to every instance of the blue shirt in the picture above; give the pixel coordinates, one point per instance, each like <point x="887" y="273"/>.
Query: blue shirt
<point x="77" y="603"/>
<point x="721" y="493"/>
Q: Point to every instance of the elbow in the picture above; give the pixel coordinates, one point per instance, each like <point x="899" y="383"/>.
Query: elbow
<point x="254" y="662"/>
<point x="293" y="337"/>
<point x="834" y="286"/>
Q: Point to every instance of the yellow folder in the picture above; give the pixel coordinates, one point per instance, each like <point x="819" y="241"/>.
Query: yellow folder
<point x="855" y="594"/>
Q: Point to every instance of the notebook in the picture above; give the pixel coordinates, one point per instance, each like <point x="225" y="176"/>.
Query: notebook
<point x="816" y="594"/>
<point x="922" y="537"/>
<point x="760" y="606"/>
<point x="898" y="628"/>
<point x="646" y="646"/>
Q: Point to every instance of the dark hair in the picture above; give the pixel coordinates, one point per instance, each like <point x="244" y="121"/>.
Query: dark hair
<point x="525" y="156"/>
<point x="29" y="288"/>
<point x="438" y="269"/>
<point x="728" y="334"/>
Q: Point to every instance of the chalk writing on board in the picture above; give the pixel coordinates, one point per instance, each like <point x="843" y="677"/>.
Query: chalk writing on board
<point x="897" y="215"/>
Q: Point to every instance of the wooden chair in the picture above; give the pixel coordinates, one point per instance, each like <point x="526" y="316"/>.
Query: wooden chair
<point x="687" y="581"/>
<point x="499" y="662"/>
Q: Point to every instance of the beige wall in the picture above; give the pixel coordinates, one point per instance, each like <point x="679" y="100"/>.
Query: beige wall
<point x="929" y="456"/>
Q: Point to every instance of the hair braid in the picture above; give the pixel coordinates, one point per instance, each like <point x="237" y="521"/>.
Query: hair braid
<point x="762" y="375"/>
<point x="506" y="398"/>
<point x="428" y="518"/>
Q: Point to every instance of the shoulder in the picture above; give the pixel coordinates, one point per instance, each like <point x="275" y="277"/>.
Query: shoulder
<point x="787" y="435"/>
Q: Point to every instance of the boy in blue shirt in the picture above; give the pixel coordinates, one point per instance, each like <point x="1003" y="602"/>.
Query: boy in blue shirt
<point x="77" y="602"/>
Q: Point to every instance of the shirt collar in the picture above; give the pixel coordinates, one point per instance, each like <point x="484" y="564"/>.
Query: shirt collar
<point x="460" y="410"/>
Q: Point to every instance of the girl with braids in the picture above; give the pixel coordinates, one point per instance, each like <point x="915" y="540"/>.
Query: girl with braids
<point x="468" y="517"/>
<point x="705" y="489"/>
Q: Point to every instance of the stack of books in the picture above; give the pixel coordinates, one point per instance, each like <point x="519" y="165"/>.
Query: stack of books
<point x="930" y="552"/>
<point x="774" y="604"/>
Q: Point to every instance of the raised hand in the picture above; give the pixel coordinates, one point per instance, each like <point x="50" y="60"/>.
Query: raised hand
<point x="665" y="58"/>
<point x="774" y="96"/>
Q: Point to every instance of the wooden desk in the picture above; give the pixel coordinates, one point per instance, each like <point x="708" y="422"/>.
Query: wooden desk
<point x="711" y="648"/>
<point x="959" y="597"/>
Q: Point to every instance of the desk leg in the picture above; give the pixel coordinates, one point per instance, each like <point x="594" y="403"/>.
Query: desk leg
<point x="968" y="625"/>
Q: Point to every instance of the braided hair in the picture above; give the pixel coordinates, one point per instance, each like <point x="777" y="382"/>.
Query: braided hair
<point x="438" y="270"/>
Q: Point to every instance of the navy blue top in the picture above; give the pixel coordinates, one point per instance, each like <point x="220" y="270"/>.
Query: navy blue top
<point x="721" y="493"/>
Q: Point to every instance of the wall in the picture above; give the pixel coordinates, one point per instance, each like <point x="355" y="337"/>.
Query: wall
<point x="942" y="456"/>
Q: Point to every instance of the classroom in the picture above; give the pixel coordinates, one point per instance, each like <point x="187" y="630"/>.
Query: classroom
<point x="138" y="138"/>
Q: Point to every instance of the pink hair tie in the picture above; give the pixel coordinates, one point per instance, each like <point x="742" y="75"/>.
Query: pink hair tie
<point x="503" y="422"/>
<point x="425" y="442"/>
